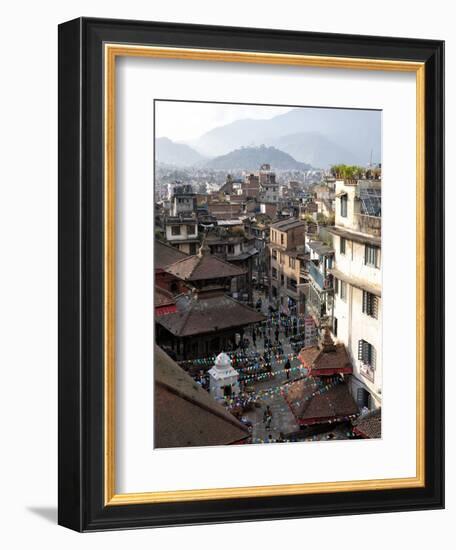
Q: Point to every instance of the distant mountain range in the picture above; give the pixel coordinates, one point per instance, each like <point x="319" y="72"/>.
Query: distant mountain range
<point x="315" y="137"/>
<point x="320" y="137"/>
<point x="176" y="154"/>
<point x="251" y="158"/>
<point x="316" y="150"/>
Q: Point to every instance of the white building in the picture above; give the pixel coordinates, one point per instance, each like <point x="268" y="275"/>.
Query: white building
<point x="223" y="378"/>
<point x="357" y="319"/>
<point x="182" y="233"/>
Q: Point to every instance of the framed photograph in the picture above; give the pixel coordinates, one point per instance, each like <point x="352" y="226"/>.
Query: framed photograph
<point x="251" y="274"/>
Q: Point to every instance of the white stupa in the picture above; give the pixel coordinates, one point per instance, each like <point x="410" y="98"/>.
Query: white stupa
<point x="223" y="378"/>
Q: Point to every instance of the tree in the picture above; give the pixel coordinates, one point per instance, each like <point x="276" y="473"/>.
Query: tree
<point x="237" y="231"/>
<point x="347" y="172"/>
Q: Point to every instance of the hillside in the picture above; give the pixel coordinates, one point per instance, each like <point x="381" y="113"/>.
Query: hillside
<point x="176" y="154"/>
<point x="315" y="149"/>
<point x="251" y="158"/>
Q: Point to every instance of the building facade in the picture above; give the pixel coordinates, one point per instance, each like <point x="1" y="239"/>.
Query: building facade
<point x="269" y="187"/>
<point x="182" y="233"/>
<point x="286" y="258"/>
<point x="357" y="319"/>
<point x="318" y="290"/>
<point x="181" y="224"/>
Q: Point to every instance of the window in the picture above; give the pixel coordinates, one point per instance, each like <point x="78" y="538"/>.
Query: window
<point x="291" y="262"/>
<point x="335" y="326"/>
<point x="343" y="290"/>
<point x="274" y="253"/>
<point x="367" y="356"/>
<point x="370" y="304"/>
<point x="366" y="353"/>
<point x="371" y="255"/>
<point x="175" y="230"/>
<point x="192" y="249"/>
<point x="190" y="229"/>
<point x="343" y="206"/>
<point x="231" y="249"/>
<point x="281" y="238"/>
<point x="343" y="242"/>
<point x="274" y="273"/>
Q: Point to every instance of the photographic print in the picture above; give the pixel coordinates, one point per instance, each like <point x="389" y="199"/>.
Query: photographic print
<point x="267" y="274"/>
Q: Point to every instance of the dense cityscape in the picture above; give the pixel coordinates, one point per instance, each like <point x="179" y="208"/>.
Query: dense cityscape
<point x="267" y="304"/>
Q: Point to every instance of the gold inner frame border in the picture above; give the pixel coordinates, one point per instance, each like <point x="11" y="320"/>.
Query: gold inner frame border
<point x="111" y="53"/>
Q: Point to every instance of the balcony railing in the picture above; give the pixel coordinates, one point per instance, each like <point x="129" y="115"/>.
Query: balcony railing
<point x="315" y="273"/>
<point x="312" y="271"/>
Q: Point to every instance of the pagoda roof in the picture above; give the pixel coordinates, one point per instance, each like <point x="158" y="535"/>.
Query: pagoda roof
<point x="185" y="414"/>
<point x="203" y="266"/>
<point x="369" y="426"/>
<point x="164" y="254"/>
<point x="326" y="359"/>
<point x="163" y="297"/>
<point x="313" y="402"/>
<point x="206" y="312"/>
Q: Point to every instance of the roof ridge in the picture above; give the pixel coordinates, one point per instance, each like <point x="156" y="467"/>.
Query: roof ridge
<point x="192" y="257"/>
<point x="244" y="305"/>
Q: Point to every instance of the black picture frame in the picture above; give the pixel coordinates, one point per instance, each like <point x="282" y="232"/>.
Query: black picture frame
<point x="81" y="472"/>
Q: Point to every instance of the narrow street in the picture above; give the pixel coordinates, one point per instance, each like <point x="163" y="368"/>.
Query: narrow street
<point x="282" y="420"/>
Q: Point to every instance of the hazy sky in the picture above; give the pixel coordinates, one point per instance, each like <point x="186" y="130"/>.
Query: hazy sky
<point x="183" y="121"/>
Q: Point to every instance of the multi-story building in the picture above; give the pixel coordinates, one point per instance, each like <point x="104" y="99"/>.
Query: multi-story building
<point x="182" y="232"/>
<point x="251" y="186"/>
<point x="183" y="200"/>
<point x="237" y="250"/>
<point x="269" y="187"/>
<point x="181" y="225"/>
<point x="324" y="199"/>
<point x="357" y="317"/>
<point x="286" y="257"/>
<point x="224" y="210"/>
<point x="318" y="289"/>
<point x="258" y="228"/>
